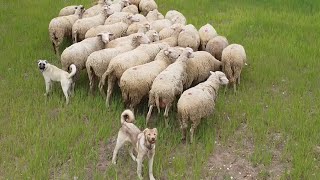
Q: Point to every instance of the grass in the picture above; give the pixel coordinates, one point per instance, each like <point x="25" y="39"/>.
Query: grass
<point x="41" y="139"/>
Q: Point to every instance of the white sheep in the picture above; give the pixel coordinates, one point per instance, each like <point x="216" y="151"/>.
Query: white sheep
<point x="135" y="2"/>
<point x="173" y="33"/>
<point x="96" y="9"/>
<point x="199" y="66"/>
<point x="160" y="24"/>
<point x="199" y="102"/>
<point x="169" y="84"/>
<point x="117" y="7"/>
<point x="97" y="63"/>
<point x="168" y="31"/>
<point x="118" y="30"/>
<point x="206" y="33"/>
<point x="118" y="65"/>
<point x="81" y="26"/>
<point x="78" y="53"/>
<point x="133" y="9"/>
<point x="233" y="60"/>
<point x="176" y="17"/>
<point x="135" y="83"/>
<point x="216" y="45"/>
<point x="136" y="26"/>
<point x="61" y="27"/>
<point x="125" y="17"/>
<point x="189" y="37"/>
<point x="154" y="15"/>
<point x="147" y="5"/>
<point x="153" y="36"/>
<point x="68" y="10"/>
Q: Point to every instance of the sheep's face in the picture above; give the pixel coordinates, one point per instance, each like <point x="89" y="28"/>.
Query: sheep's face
<point x="153" y="35"/>
<point x="222" y="77"/>
<point x="151" y="135"/>
<point x="108" y="2"/>
<point x="189" y="52"/>
<point x="105" y="37"/>
<point x="42" y="65"/>
<point x="79" y="9"/>
<point x="126" y="3"/>
<point x="133" y="18"/>
<point x="173" y="53"/>
<point x="143" y="39"/>
<point x="108" y="10"/>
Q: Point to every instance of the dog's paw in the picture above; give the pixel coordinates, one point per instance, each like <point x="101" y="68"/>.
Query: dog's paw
<point x="152" y="178"/>
<point x="114" y="162"/>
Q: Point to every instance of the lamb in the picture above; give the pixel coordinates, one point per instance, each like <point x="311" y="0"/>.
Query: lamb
<point x="78" y="53"/>
<point x="135" y="83"/>
<point x="68" y="10"/>
<point x="167" y="32"/>
<point x="96" y="9"/>
<point x="97" y="63"/>
<point x="81" y="26"/>
<point x="160" y="24"/>
<point x="199" y="102"/>
<point x="118" y="30"/>
<point x="154" y="15"/>
<point x="172" y="40"/>
<point x="146" y="6"/>
<point x="133" y="9"/>
<point x="125" y="17"/>
<point x="199" y="66"/>
<point x="123" y="40"/>
<point x="206" y="33"/>
<point x="189" y="37"/>
<point x="176" y="17"/>
<point x="233" y="60"/>
<point x="118" y="65"/>
<point x="169" y="84"/>
<point x="61" y="27"/>
<point x="216" y="45"/>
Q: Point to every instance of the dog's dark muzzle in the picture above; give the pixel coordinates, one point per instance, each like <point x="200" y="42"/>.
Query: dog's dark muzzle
<point x="42" y="67"/>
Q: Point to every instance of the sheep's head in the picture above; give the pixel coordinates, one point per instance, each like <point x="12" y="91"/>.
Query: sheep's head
<point x="189" y="52"/>
<point x="126" y="3"/>
<point x="141" y="38"/>
<point x="221" y="76"/>
<point x="108" y="10"/>
<point x="105" y="37"/>
<point x="173" y="53"/>
<point x="133" y="18"/>
<point x="79" y="10"/>
<point x="108" y="2"/>
<point x="177" y="27"/>
<point x="153" y="35"/>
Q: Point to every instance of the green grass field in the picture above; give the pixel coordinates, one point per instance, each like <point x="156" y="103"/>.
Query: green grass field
<point x="278" y="97"/>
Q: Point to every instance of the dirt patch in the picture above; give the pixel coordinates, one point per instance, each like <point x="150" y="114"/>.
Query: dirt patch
<point x="105" y="154"/>
<point x="54" y="113"/>
<point x="232" y="160"/>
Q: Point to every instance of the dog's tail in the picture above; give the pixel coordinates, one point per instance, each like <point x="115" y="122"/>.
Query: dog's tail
<point x="73" y="70"/>
<point x="127" y="116"/>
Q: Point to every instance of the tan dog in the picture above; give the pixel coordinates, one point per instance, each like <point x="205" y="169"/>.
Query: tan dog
<point x="53" y="73"/>
<point x="142" y="142"/>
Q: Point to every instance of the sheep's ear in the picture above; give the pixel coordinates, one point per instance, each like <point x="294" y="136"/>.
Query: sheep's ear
<point x="166" y="52"/>
<point x="155" y="34"/>
<point x="100" y="34"/>
<point x="211" y="72"/>
<point x="110" y="34"/>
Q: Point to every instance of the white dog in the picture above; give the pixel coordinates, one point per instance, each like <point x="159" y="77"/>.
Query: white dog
<point x="142" y="142"/>
<point x="52" y="73"/>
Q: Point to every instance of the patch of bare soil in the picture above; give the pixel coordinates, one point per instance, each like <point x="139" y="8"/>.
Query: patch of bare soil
<point x="232" y="160"/>
<point x="105" y="154"/>
<point x="61" y="171"/>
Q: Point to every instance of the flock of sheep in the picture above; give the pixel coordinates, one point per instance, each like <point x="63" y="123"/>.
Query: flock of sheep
<point x="129" y="42"/>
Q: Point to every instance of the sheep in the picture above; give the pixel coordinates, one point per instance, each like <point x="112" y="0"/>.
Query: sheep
<point x="154" y="15"/>
<point x="97" y="63"/>
<point x="199" y="66"/>
<point x="176" y="17"/>
<point x="169" y="84"/>
<point x="153" y="35"/>
<point x="125" y="17"/>
<point x="96" y="9"/>
<point x="216" y="45"/>
<point x="206" y="33"/>
<point x="233" y="59"/>
<point x="189" y="37"/>
<point x="117" y="7"/>
<point x="199" y="102"/>
<point x="78" y="53"/>
<point x="118" y="65"/>
<point x="68" y="10"/>
<point x="123" y="40"/>
<point x="61" y="27"/>
<point x="135" y="2"/>
<point x="168" y="31"/>
<point x="133" y="9"/>
<point x="136" y="26"/>
<point x="160" y="24"/>
<point x="172" y="40"/>
<point x="146" y="6"/>
<point x="81" y="26"/>
<point x="135" y="83"/>
<point x="118" y="30"/>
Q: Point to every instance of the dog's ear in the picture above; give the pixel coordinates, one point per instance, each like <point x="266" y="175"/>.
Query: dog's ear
<point x="38" y="61"/>
<point x="45" y="61"/>
<point x="155" y="130"/>
<point x="145" y="131"/>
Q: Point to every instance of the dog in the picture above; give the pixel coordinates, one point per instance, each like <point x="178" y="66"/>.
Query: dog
<point x="143" y="142"/>
<point x="53" y="73"/>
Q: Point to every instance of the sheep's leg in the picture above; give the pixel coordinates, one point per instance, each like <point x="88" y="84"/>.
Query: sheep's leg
<point x="149" y="114"/>
<point x="238" y="80"/>
<point x="192" y="129"/>
<point x="54" y="48"/>
<point x="166" y="114"/>
<point x="92" y="84"/>
<point x="111" y="82"/>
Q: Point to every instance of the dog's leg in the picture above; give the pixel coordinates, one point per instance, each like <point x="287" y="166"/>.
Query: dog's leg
<point x="120" y="142"/>
<point x="166" y="114"/>
<point x="139" y="165"/>
<point x="131" y="153"/>
<point x="65" y="88"/>
<point x="151" y="177"/>
<point x="48" y="86"/>
<point x="149" y="114"/>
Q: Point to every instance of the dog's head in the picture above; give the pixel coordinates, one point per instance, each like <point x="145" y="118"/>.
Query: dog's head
<point x="42" y="65"/>
<point x="151" y="135"/>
